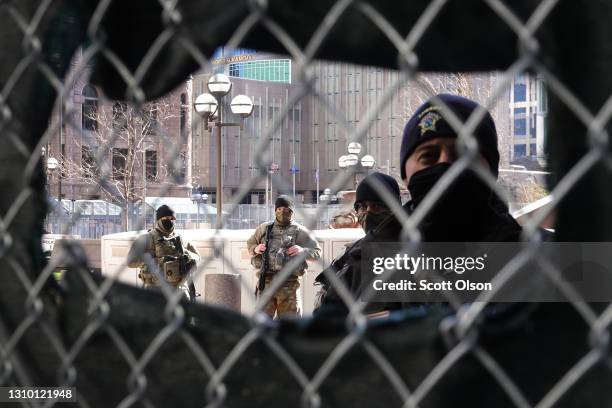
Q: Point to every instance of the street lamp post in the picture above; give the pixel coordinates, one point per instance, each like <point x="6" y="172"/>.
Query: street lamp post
<point x="52" y="164"/>
<point x="204" y="200"/>
<point x="367" y="162"/>
<point x="328" y="196"/>
<point x="198" y="197"/>
<point x="274" y="167"/>
<point x="352" y="160"/>
<point x="209" y="105"/>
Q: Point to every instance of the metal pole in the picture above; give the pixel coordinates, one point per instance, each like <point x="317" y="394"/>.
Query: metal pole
<point x="267" y="201"/>
<point x="293" y="172"/>
<point x="144" y="187"/>
<point x="219" y="178"/>
<point x="61" y="161"/>
<point x="48" y="197"/>
<point x="45" y="154"/>
<point x="198" y="217"/>
<point x="205" y="212"/>
<point x="318" y="175"/>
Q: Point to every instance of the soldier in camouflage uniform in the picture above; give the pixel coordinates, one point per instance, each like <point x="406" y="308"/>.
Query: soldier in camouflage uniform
<point x="164" y="246"/>
<point x="287" y="239"/>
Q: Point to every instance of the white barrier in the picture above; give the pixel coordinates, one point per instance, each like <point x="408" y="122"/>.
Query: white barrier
<point x="115" y="248"/>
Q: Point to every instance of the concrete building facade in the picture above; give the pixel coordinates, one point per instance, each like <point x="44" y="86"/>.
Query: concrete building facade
<point x="304" y="149"/>
<point x="88" y="125"/>
<point x="318" y="127"/>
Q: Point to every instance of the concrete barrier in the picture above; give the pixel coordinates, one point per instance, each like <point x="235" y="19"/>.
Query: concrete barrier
<point x="91" y="247"/>
<point x="223" y="289"/>
<point x="232" y="258"/>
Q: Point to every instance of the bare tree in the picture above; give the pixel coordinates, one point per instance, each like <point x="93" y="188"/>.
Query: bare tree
<point x="524" y="188"/>
<point x="475" y="86"/>
<point x="119" y="150"/>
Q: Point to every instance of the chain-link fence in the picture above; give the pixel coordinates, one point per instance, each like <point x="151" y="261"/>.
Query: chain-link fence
<point x="121" y="346"/>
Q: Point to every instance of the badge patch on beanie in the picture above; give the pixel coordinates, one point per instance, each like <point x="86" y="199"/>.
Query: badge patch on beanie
<point x="428" y="121"/>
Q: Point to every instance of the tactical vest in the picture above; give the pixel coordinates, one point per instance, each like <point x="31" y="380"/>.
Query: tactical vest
<point x="282" y="238"/>
<point x="163" y="246"/>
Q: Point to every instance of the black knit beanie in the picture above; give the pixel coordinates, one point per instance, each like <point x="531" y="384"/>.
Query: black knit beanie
<point x="284" y="201"/>
<point x="428" y="123"/>
<point x="367" y="192"/>
<point x="164" y="211"/>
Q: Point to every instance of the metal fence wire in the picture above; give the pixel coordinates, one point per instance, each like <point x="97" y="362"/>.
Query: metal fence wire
<point x="121" y="346"/>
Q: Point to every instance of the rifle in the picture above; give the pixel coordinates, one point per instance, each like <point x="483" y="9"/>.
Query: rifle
<point x="261" y="284"/>
<point x="185" y="268"/>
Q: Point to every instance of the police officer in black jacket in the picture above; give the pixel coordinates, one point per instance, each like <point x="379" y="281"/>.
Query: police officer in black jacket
<point x="371" y="208"/>
<point x="468" y="211"/>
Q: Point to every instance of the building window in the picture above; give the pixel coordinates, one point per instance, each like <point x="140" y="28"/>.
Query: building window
<point x="520" y="92"/>
<point x="89" y="110"/>
<point x="264" y="70"/>
<point x="183" y="169"/>
<point x="183" y="116"/>
<point x="88" y="162"/>
<point x="150" y="120"/>
<point x="273" y="112"/>
<point x="120" y="116"/>
<point x="119" y="160"/>
<point x="520" y="127"/>
<point x="151" y="163"/>
<point x="542" y="97"/>
<point x="63" y="158"/>
<point x="235" y="71"/>
<point x="520" y="150"/>
<point x="179" y="170"/>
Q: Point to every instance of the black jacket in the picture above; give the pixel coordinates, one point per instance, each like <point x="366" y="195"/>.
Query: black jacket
<point x="494" y="225"/>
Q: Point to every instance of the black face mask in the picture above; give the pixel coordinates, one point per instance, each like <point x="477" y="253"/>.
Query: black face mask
<point x="284" y="217"/>
<point x="167" y="225"/>
<point x="369" y="221"/>
<point x="463" y="211"/>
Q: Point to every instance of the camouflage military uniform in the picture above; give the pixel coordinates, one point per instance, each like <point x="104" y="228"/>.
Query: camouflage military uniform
<point x="286" y="300"/>
<point x="165" y="252"/>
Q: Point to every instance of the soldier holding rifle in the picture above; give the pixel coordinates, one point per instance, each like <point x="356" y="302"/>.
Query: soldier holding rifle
<point x="173" y="257"/>
<point x="273" y="246"/>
